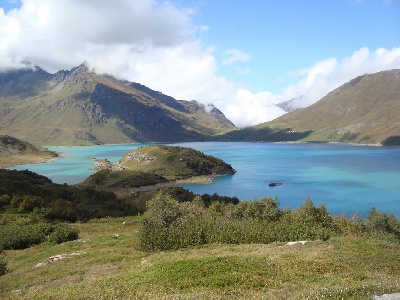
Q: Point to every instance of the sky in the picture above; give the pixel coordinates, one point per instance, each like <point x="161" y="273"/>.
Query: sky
<point x="242" y="56"/>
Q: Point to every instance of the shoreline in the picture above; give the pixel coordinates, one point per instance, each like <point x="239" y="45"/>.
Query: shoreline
<point x="262" y="142"/>
<point x="38" y="161"/>
<point x="202" y="179"/>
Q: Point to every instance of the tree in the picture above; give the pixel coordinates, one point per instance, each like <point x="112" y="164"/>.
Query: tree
<point x="5" y="199"/>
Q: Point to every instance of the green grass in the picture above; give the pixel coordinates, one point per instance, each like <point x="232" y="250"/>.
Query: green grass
<point x="110" y="267"/>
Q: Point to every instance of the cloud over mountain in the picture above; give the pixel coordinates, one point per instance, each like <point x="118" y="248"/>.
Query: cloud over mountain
<point x="154" y="43"/>
<point x="324" y="76"/>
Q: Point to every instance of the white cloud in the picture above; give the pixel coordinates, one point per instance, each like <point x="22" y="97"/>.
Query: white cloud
<point x="65" y="33"/>
<point x="232" y="56"/>
<point x="248" y="108"/>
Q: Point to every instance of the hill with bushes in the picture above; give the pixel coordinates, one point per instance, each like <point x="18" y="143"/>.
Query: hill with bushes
<point x="174" y="162"/>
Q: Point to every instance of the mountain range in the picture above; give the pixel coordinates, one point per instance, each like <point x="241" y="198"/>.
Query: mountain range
<point x="364" y="110"/>
<point x="80" y="107"/>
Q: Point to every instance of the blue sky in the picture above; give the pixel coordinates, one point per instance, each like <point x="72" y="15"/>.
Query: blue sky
<point x="243" y="56"/>
<point x="282" y="36"/>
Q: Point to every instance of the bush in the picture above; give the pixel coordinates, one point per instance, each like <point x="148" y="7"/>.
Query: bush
<point x="3" y="265"/>
<point x="63" y="233"/>
<point x="380" y="222"/>
<point x="29" y="203"/>
<point x="19" y="237"/>
<point x="5" y="199"/>
<point x="168" y="224"/>
<point x="62" y="210"/>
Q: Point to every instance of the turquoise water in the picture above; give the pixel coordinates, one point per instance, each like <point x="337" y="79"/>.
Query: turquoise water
<point x="75" y="166"/>
<point x="346" y="178"/>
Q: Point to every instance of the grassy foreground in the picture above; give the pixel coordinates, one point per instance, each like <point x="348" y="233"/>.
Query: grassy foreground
<point x="104" y="264"/>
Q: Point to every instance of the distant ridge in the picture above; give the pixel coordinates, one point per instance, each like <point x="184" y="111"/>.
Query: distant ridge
<point x="80" y="107"/>
<point x="365" y="110"/>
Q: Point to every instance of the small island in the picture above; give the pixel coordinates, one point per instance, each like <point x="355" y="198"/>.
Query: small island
<point x="157" y="166"/>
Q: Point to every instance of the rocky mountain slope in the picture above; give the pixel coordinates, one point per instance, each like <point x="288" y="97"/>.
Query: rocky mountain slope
<point x="80" y="107"/>
<point x="365" y="110"/>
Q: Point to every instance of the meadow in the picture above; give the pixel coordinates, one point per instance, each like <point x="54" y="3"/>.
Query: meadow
<point x="114" y="259"/>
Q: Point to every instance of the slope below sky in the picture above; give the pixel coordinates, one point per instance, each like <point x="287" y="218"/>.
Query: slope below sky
<point x="364" y="110"/>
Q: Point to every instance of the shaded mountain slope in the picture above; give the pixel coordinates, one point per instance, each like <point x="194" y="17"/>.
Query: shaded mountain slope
<point x="365" y="110"/>
<point x="80" y="107"/>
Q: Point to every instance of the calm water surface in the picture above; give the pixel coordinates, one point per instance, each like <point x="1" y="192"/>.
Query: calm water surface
<point x="346" y="178"/>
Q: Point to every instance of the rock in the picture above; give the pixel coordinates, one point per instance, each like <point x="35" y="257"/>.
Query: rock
<point x="395" y="296"/>
<point x="295" y="243"/>
<point x="56" y="258"/>
<point x="40" y="264"/>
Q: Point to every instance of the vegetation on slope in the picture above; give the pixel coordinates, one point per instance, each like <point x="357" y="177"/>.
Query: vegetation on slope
<point x="106" y="179"/>
<point x="26" y="191"/>
<point x="103" y="194"/>
<point x="359" y="260"/>
<point x="14" y="151"/>
<point x="168" y="224"/>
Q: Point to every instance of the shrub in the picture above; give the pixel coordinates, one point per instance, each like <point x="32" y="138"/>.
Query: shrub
<point x="62" y="210"/>
<point x="63" y="233"/>
<point x="20" y="237"/>
<point x="380" y="222"/>
<point x="3" y="265"/>
<point x="29" y="203"/>
<point x="5" y="199"/>
<point x="169" y="224"/>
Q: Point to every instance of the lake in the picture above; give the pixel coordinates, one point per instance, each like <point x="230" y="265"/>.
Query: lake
<point x="346" y="178"/>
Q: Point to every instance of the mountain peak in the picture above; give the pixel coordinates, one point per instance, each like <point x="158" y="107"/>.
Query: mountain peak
<point x="82" y="68"/>
<point x="78" y="107"/>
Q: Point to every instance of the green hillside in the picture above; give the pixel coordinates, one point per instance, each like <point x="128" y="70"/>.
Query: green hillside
<point x="365" y="111"/>
<point x="14" y="151"/>
<point x="79" y="107"/>
<point x="105" y="263"/>
<point x="174" y="163"/>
